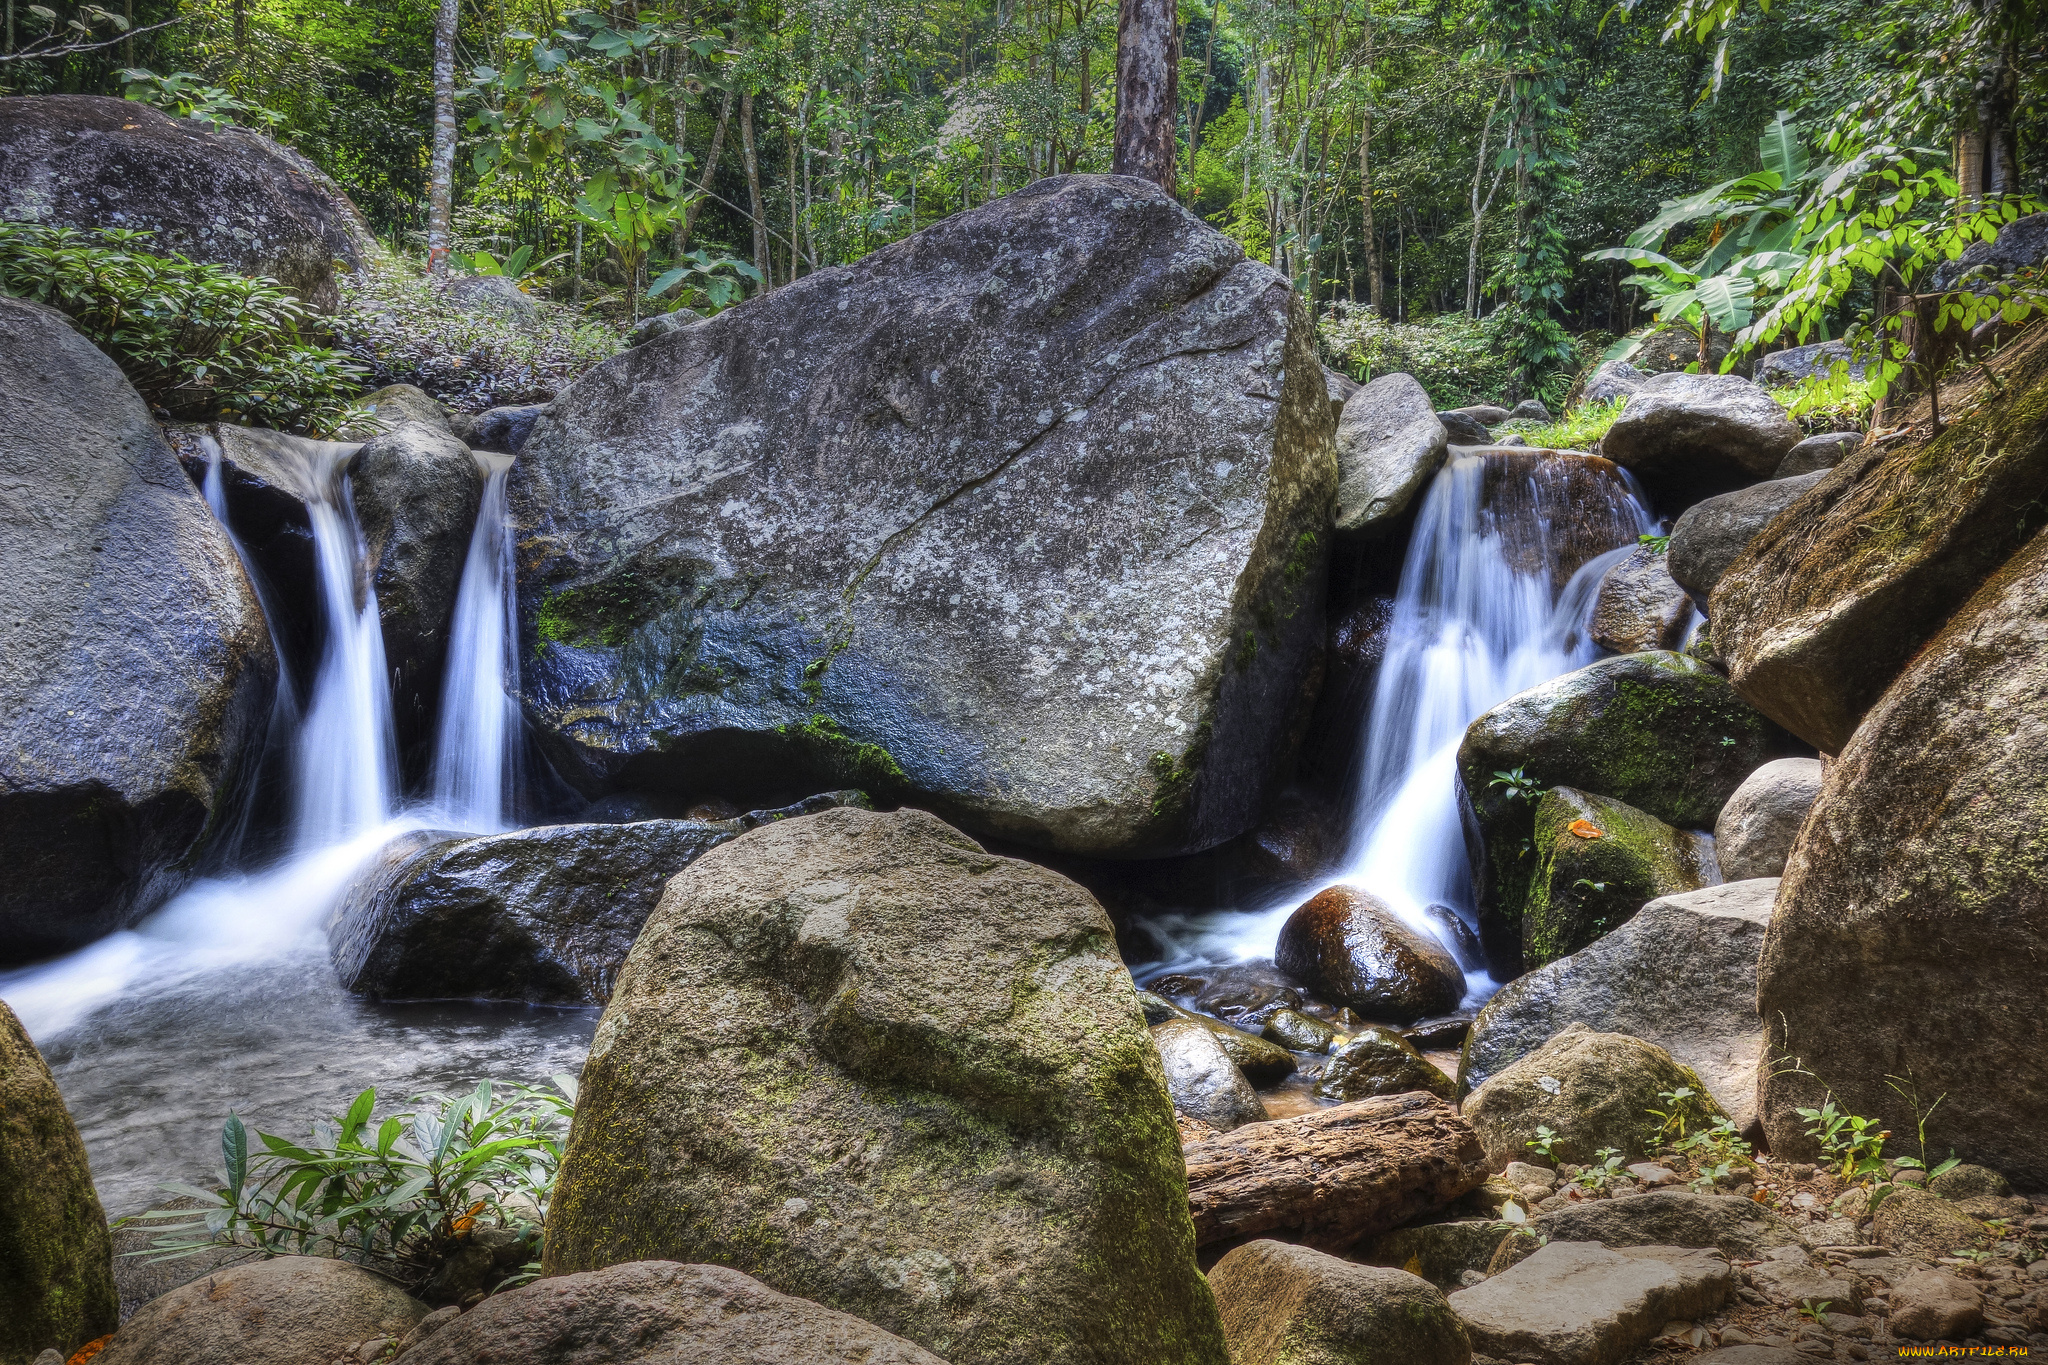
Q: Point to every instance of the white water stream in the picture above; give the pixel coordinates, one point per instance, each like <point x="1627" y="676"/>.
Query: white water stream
<point x="474" y="742"/>
<point x="1476" y="620"/>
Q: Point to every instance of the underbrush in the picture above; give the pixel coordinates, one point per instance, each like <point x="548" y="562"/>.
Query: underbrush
<point x="198" y="342"/>
<point x="1835" y="401"/>
<point x="1578" y="429"/>
<point x="1460" y="361"/>
<point x="396" y="323"/>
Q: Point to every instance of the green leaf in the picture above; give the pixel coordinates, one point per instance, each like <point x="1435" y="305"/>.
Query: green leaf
<point x="234" y="1151"/>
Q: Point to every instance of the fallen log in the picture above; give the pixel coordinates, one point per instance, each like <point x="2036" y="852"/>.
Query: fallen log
<point x="1328" y="1178"/>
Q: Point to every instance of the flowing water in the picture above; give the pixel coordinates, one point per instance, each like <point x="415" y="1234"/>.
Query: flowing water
<point x="224" y="998"/>
<point x="1478" y="617"/>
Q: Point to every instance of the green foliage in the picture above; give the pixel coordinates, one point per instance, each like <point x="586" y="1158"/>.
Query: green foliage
<point x="186" y="95"/>
<point x="1578" y="429"/>
<point x="1713" y="1152"/>
<point x="1517" y="785"/>
<point x="1837" y="400"/>
<point x="197" y="341"/>
<point x="1604" y="1170"/>
<point x="1458" y="360"/>
<point x="399" y="1196"/>
<point x="702" y="280"/>
<point x="1655" y="544"/>
<point x="1542" y="1143"/>
<point x="1855" y="1142"/>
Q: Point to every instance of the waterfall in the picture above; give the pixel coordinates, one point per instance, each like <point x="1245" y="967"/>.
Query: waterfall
<point x="476" y="736"/>
<point x="1478" y="617"/>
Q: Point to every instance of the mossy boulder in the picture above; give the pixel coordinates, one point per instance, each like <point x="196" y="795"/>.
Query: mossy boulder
<point x="1660" y="731"/>
<point x="869" y="1064"/>
<point x="1379" y="1061"/>
<point x="1827" y="604"/>
<point x="1911" y="936"/>
<point x="1592" y="1090"/>
<point x="1293" y="1305"/>
<point x="56" y="1256"/>
<point x="1597" y="862"/>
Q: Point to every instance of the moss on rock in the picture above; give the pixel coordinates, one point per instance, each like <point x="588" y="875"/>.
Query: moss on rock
<point x="1598" y="861"/>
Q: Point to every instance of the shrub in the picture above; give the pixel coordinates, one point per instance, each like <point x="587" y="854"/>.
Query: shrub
<point x="406" y="331"/>
<point x="401" y="1197"/>
<point x="197" y="341"/>
<point x="1835" y="401"/>
<point x="1578" y="429"/>
<point x="1459" y="360"/>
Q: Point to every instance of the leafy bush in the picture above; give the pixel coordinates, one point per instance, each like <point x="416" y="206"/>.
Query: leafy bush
<point x="401" y="1197"/>
<point x="1835" y="401"/>
<point x="1578" y="429"/>
<point x="1459" y="360"/>
<point x="197" y="341"/>
<point x="395" y="322"/>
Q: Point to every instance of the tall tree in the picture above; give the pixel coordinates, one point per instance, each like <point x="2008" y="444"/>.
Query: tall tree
<point x="441" y="172"/>
<point x="1147" y="94"/>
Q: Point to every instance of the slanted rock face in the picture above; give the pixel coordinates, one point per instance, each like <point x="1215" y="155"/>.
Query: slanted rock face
<point x="1293" y="1305"/>
<point x="1593" y="1090"/>
<point x="1795" y="363"/>
<point x="864" y="1061"/>
<point x="231" y="197"/>
<point x="56" y="1258"/>
<point x="1680" y="974"/>
<point x="1389" y="444"/>
<point x="134" y="664"/>
<point x="1024" y="516"/>
<point x="1822" y="610"/>
<point x="1641" y="606"/>
<point x="656" y="1310"/>
<point x="1711" y="534"/>
<point x="285" y="1311"/>
<point x="1347" y="945"/>
<point x="1948" y="776"/>
<point x="391" y="407"/>
<point x="1688" y="436"/>
<point x="1615" y="379"/>
<point x="1578" y="1303"/>
<point x="1597" y="862"/>
<point x="1753" y="835"/>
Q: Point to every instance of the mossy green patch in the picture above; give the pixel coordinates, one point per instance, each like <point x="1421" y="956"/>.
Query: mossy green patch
<point x="871" y="765"/>
<point x="1597" y="862"/>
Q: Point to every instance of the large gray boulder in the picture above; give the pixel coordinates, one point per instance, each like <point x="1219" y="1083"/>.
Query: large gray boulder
<point x="1825" y="607"/>
<point x="1390" y="444"/>
<point x="392" y="407"/>
<point x="1641" y="606"/>
<point x="1754" y="833"/>
<point x="1023" y="517"/>
<point x="56" y="1259"/>
<point x="1795" y="363"/>
<point x="862" y="1060"/>
<point x="1712" y="533"/>
<point x="1596" y="861"/>
<point x="1592" y="1090"/>
<point x="290" y="1310"/>
<point x="1818" y="453"/>
<point x="1680" y="974"/>
<point x="503" y="430"/>
<point x="544" y="915"/>
<point x="1615" y="379"/>
<point x="651" y="1311"/>
<point x="1578" y="1303"/>
<point x="134" y="664"/>
<point x="231" y="196"/>
<point x="1293" y="1305"/>
<point x="1688" y="436"/>
<point x="1911" y="936"/>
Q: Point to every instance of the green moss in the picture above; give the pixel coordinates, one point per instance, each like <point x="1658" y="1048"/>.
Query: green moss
<point x="871" y="765"/>
<point x="1581" y="889"/>
<point x="603" y="613"/>
<point x="1248" y="651"/>
<point x="1176" y="776"/>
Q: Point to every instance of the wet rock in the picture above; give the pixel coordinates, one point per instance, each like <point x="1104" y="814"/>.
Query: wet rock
<point x="416" y="491"/>
<point x="1582" y="508"/>
<point x="56" y="1260"/>
<point x="1598" y="861"/>
<point x="1641" y="606"/>
<point x="1690" y="436"/>
<point x="1452" y="931"/>
<point x="1463" y="429"/>
<point x="830" y="578"/>
<point x="1947" y="775"/>
<point x="968" y="1113"/>
<point x="1291" y="1305"/>
<point x="1444" y="1031"/>
<point x="392" y="407"/>
<point x="661" y="324"/>
<point x="1615" y="379"/>
<point x="1712" y="533"/>
<point x="1204" y="1083"/>
<point x="286" y="1311"/>
<point x="1346" y="945"/>
<point x="135" y="669"/>
<point x="1298" y="1032"/>
<point x="1824" y="609"/>
<point x="1379" y="1061"/>
<point x="1529" y="410"/>
<point x="1245" y="994"/>
<point x="1928" y="1305"/>
<point x="1817" y="453"/>
<point x="228" y="196"/>
<point x="1593" y="1090"/>
<point x="502" y="430"/>
<point x="1754" y="832"/>
<point x="1916" y="1223"/>
<point x="544" y="915"/>
<point x="1262" y="1062"/>
<point x="1301" y="841"/>
<point x="1702" y="1012"/>
<point x="1795" y="363"/>
<point x="658" y="1310"/>
<point x="1575" y="1303"/>
<point x="1390" y="444"/>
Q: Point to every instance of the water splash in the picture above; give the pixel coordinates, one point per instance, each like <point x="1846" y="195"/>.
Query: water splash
<point x="475" y="742"/>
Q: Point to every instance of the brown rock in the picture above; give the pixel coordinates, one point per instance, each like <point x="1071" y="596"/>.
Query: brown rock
<point x="1913" y="1222"/>
<point x="649" y="1311"/>
<point x="1586" y="498"/>
<point x="1641" y="605"/>
<point x="1348" y="946"/>
<point x="293" y="1310"/>
<point x="1592" y="1090"/>
<point x="1930" y="1306"/>
<point x="1330" y="1177"/>
<point x="1291" y="1305"/>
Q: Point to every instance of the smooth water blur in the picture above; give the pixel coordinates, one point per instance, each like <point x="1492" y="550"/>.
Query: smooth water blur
<point x="1475" y="622"/>
<point x="474" y="742"/>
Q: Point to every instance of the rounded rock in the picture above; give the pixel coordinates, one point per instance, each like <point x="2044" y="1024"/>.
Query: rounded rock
<point x="1348" y="946"/>
<point x="1754" y="832"/>
<point x="287" y="1311"/>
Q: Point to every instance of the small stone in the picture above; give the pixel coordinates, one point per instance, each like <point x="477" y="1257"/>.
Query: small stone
<point x="1650" y="1174"/>
<point x="1928" y="1305"/>
<point x="1298" y="1032"/>
<point x="373" y="1348"/>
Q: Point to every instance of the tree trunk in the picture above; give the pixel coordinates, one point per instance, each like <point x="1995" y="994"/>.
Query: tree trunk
<point x="441" y="172"/>
<point x="752" y="162"/>
<point x="1327" y="1178"/>
<point x="1479" y="208"/>
<point x="1375" y="286"/>
<point x="1147" y="90"/>
<point x="710" y="167"/>
<point x="1997" y="105"/>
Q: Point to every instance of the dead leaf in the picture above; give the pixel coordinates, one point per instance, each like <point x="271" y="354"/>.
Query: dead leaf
<point x="1586" y="829"/>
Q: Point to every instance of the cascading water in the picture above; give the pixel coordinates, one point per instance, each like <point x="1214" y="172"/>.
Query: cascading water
<point x="474" y="743"/>
<point x="225" y="995"/>
<point x="1478" y="618"/>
